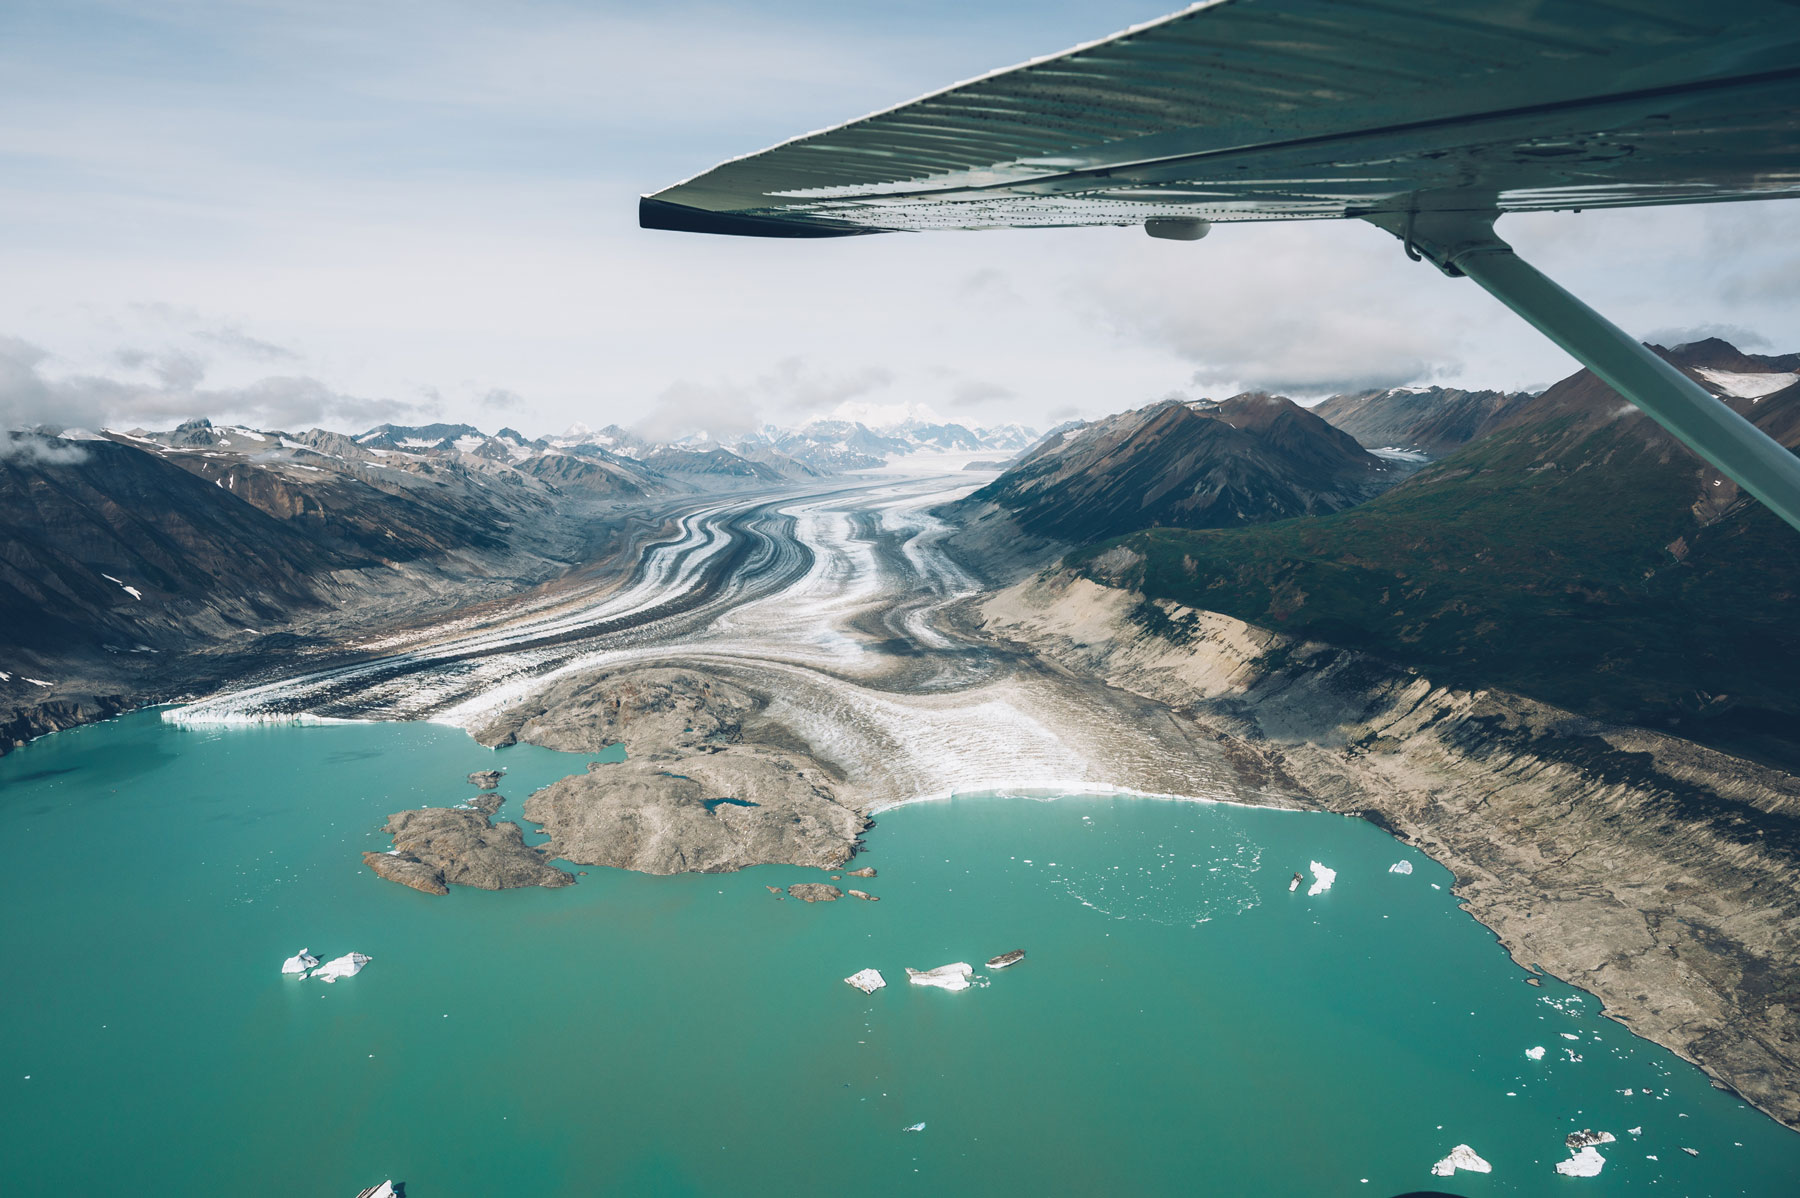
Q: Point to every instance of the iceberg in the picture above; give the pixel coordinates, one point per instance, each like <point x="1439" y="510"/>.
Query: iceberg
<point x="299" y="963"/>
<point x="944" y="977"/>
<point x="1400" y="867"/>
<point x="866" y="980"/>
<point x="1461" y="1157"/>
<point x="346" y="966"/>
<point x="1585" y="1163"/>
<point x="1584" y="1137"/>
<point x="1006" y="959"/>
<point x="1322" y="879"/>
<point x="1536" y="1054"/>
<point x="1295" y="884"/>
<point x="914" y="1127"/>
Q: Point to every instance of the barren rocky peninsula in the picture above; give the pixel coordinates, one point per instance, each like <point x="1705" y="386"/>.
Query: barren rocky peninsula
<point x="695" y="794"/>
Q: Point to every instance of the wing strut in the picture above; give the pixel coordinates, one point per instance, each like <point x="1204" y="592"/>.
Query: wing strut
<point x="1464" y="243"/>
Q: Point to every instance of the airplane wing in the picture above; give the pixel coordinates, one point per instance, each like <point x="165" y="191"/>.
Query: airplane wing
<point x="1274" y="109"/>
<point x="1428" y="119"/>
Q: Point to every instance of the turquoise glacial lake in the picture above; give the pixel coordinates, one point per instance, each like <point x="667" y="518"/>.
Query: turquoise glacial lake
<point x="1183" y="1024"/>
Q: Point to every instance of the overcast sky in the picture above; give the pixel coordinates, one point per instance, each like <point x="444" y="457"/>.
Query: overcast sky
<point x="308" y="212"/>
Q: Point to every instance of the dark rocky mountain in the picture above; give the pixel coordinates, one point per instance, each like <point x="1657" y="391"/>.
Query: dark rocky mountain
<point x="589" y="469"/>
<point x="134" y="564"/>
<point x="715" y="463"/>
<point x="1250" y="459"/>
<point x="780" y="462"/>
<point x="424" y="436"/>
<point x="1577" y="554"/>
<point x="1717" y="354"/>
<point x="1433" y="421"/>
<point x="101" y="516"/>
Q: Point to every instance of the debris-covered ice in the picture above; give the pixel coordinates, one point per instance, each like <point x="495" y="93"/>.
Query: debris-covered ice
<point x="299" y="963"/>
<point x="867" y="980"/>
<point x="1585" y="1163"/>
<point x="1400" y="867"/>
<point x="1461" y="1157"/>
<point x="1584" y="1137"/>
<point x="944" y="977"/>
<point x="346" y="966"/>
<point x="1322" y="879"/>
<point x="1006" y="959"/>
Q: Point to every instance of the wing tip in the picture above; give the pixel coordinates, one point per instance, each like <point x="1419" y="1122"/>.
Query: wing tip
<point x="683" y="218"/>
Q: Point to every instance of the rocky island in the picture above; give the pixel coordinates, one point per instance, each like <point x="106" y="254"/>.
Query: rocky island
<point x="437" y="847"/>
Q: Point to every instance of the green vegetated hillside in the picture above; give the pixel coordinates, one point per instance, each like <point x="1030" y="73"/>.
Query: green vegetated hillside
<point x="1578" y="555"/>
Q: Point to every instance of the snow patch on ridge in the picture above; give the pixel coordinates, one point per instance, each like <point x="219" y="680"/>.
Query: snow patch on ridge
<point x="1748" y="386"/>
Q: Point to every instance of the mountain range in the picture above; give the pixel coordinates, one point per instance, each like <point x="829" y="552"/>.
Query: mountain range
<point x="1429" y="421"/>
<point x="1575" y="553"/>
<point x="141" y="562"/>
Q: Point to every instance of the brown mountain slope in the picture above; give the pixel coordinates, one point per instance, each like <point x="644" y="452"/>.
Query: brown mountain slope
<point x="1578" y="555"/>
<point x="1251" y="459"/>
<point x="1431" y="420"/>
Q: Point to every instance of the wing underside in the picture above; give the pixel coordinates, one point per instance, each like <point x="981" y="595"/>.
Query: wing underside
<point x="1306" y="109"/>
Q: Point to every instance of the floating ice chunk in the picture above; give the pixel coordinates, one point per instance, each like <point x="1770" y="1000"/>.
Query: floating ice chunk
<point x="1294" y="884"/>
<point x="1461" y="1157"/>
<point x="1400" y="867"/>
<point x="38" y="682"/>
<point x="384" y="1190"/>
<point x="1536" y="1054"/>
<point x="1573" y="1055"/>
<point x="1634" y="1131"/>
<point x="944" y="977"/>
<point x="1691" y="1151"/>
<point x="1586" y="1163"/>
<point x="299" y="963"/>
<point x="346" y="966"/>
<point x="1584" y="1137"/>
<point x="1569" y="1035"/>
<point x="914" y="1127"/>
<point x="1322" y="879"/>
<point x="1007" y="959"/>
<point x="866" y="980"/>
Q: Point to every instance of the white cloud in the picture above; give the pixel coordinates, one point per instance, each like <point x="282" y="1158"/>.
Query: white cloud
<point x="32" y="396"/>
<point x="378" y="200"/>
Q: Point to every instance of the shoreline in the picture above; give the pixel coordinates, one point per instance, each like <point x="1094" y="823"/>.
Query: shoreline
<point x="1659" y="922"/>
